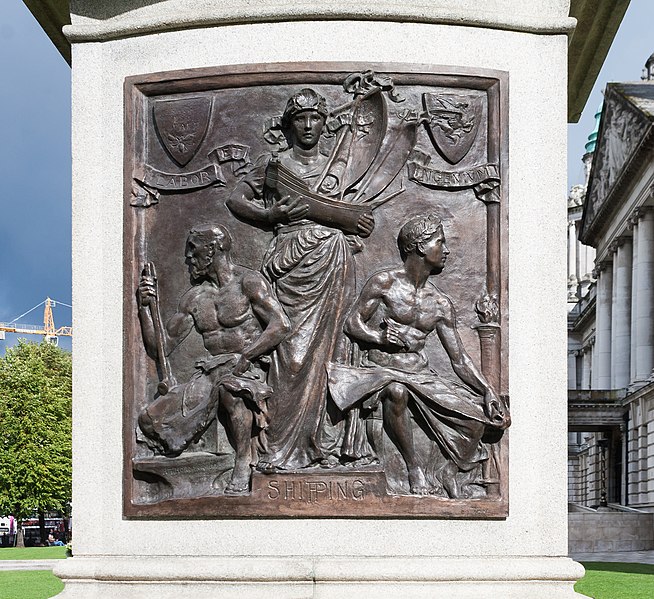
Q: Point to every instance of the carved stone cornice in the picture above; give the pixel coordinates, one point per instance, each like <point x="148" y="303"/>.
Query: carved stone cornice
<point x="91" y="22"/>
<point x="53" y="16"/>
<point x="596" y="22"/>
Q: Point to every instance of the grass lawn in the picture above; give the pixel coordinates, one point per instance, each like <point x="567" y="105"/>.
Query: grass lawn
<point x="29" y="584"/>
<point x="606" y="580"/>
<point x="33" y="553"/>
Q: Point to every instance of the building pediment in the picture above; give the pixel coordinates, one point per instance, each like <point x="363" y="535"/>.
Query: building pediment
<point x="622" y="143"/>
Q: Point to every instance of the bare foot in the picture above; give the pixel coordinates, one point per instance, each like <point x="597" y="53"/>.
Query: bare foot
<point x="450" y="484"/>
<point x="266" y="467"/>
<point x="437" y="490"/>
<point x="364" y="461"/>
<point x="330" y="461"/>
<point x="417" y="482"/>
<point x="472" y="492"/>
<point x="235" y="488"/>
<point x="239" y="484"/>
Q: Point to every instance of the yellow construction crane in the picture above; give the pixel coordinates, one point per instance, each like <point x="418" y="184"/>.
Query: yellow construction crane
<point x="50" y="333"/>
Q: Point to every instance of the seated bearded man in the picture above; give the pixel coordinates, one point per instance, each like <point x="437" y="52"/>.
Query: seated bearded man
<point x="240" y="320"/>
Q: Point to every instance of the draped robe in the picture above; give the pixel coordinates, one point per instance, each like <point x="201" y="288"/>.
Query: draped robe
<point x="311" y="268"/>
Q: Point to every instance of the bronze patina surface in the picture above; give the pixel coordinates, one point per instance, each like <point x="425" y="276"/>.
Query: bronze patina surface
<point x="315" y="288"/>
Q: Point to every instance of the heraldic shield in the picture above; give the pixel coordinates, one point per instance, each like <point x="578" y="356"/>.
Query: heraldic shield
<point x="182" y="124"/>
<point x="453" y="123"/>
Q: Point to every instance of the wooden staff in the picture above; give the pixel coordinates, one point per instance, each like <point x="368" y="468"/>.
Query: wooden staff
<point x="168" y="380"/>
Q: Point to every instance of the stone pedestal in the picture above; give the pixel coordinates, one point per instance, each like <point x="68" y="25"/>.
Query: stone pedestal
<point x="522" y="555"/>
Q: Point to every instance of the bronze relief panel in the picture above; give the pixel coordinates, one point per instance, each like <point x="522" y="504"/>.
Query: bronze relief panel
<point x="316" y="310"/>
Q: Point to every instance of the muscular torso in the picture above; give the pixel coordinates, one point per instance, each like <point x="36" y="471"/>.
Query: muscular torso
<point x="223" y="316"/>
<point x="418" y="310"/>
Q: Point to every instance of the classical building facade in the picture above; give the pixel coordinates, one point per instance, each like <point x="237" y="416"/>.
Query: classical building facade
<point x="611" y="305"/>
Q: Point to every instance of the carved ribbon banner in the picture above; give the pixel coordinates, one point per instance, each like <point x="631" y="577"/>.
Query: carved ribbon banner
<point x="149" y="181"/>
<point x="151" y="177"/>
<point x="482" y="178"/>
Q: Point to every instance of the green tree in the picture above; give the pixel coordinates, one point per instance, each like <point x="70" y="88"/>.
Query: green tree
<point x="35" y="430"/>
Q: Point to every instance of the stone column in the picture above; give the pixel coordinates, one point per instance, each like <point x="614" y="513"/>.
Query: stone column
<point x="621" y="315"/>
<point x="572" y="369"/>
<point x="624" y="476"/>
<point x="594" y="376"/>
<point x="603" y="324"/>
<point x="573" y="273"/>
<point x="572" y="248"/>
<point x="583" y="270"/>
<point x="614" y="279"/>
<point x="634" y="297"/>
<point x="586" y="365"/>
<point x="645" y="299"/>
<point x="643" y="450"/>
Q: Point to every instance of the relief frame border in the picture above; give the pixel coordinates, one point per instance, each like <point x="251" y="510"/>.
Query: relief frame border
<point x="137" y="89"/>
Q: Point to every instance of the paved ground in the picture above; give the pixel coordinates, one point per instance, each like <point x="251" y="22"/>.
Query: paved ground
<point x="640" y="557"/>
<point x="27" y="564"/>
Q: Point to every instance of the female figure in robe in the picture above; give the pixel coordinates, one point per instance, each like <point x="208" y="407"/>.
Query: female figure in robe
<point x="311" y="268"/>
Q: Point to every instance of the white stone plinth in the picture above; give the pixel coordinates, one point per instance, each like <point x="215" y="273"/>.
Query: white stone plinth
<point x="522" y="556"/>
<point x="319" y="578"/>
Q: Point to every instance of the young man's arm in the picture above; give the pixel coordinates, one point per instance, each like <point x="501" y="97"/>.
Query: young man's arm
<point x="356" y="324"/>
<point x="462" y="363"/>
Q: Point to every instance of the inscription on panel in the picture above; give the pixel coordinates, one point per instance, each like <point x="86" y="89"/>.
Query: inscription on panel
<point x="313" y="491"/>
